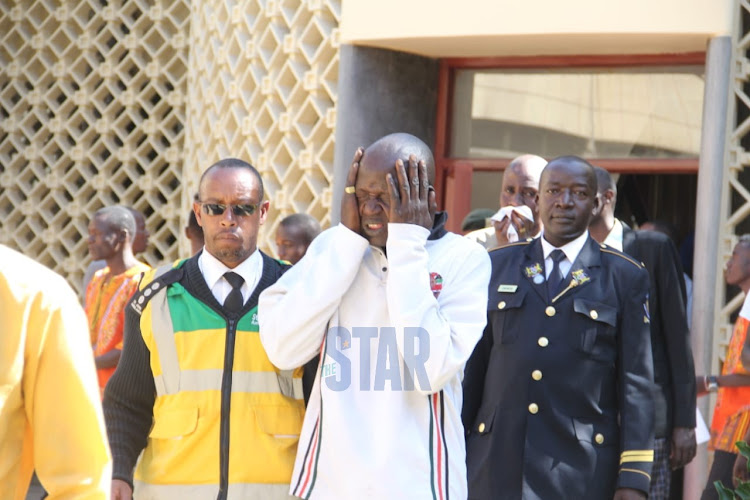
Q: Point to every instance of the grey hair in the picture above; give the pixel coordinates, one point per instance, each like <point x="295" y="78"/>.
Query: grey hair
<point x="119" y="218"/>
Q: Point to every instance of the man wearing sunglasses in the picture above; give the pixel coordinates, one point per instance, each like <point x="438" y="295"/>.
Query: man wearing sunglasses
<point x="394" y="304"/>
<point x="195" y="390"/>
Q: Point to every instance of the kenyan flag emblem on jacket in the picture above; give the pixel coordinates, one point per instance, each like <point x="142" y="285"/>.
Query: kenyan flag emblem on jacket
<point x="436" y="284"/>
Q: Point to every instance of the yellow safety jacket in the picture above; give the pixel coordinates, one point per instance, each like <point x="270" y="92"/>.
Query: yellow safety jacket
<point x="50" y="414"/>
<point x="226" y="421"/>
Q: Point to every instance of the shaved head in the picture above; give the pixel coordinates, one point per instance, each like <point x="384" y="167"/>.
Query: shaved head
<point x="294" y="235"/>
<point x="607" y="194"/>
<point x="372" y="189"/>
<point x="604" y="180"/>
<point x="305" y="225"/>
<point x="386" y="150"/>
<point x="231" y="163"/>
<point x="529" y="165"/>
<point x="587" y="169"/>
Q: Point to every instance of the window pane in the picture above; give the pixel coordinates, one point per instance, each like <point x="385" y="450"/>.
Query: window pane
<point x="595" y="113"/>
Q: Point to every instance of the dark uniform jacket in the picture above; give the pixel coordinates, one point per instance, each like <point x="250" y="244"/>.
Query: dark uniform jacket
<point x="674" y="372"/>
<point x="558" y="400"/>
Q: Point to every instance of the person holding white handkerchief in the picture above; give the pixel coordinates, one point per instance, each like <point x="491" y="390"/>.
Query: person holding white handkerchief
<point x="518" y="217"/>
<point x="508" y="218"/>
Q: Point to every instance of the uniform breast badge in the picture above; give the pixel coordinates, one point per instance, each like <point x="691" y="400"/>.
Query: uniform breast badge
<point x="580" y="277"/>
<point x="535" y="273"/>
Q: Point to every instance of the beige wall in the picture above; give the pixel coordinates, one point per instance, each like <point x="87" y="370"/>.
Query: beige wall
<point x="460" y="28"/>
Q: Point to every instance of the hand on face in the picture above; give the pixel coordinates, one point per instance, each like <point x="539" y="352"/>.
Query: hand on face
<point x="349" y="205"/>
<point x="412" y="198"/>
<point x="523" y="226"/>
<point x="501" y="231"/>
<point x="377" y="200"/>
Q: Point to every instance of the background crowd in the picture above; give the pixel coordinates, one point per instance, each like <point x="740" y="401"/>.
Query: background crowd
<point x="553" y="363"/>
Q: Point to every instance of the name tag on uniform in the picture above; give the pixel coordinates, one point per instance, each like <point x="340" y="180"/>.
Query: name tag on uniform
<point x="507" y="288"/>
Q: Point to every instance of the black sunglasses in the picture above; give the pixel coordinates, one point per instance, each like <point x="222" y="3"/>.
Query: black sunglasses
<point x="238" y="210"/>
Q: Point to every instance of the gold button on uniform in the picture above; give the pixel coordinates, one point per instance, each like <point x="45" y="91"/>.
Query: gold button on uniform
<point x="550" y="311"/>
<point x="599" y="439"/>
<point x="543" y="341"/>
<point x="481" y="427"/>
<point x="501" y="304"/>
<point x="536" y="375"/>
<point x="533" y="408"/>
<point x="594" y="314"/>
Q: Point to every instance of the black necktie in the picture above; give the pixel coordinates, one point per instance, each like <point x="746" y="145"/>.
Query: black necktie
<point x="555" y="277"/>
<point x="233" y="303"/>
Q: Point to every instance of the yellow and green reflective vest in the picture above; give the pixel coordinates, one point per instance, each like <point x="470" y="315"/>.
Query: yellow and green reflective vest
<point x="226" y="421"/>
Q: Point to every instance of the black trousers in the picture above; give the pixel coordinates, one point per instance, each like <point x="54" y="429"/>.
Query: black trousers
<point x="721" y="470"/>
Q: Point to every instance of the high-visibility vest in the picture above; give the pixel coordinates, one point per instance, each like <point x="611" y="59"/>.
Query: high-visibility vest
<point x="185" y="451"/>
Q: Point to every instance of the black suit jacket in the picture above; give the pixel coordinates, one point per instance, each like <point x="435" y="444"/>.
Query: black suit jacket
<point x="674" y="372"/>
<point x="558" y="393"/>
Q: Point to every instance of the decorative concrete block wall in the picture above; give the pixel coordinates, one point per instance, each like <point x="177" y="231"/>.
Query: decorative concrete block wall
<point x="107" y="102"/>
<point x="262" y="87"/>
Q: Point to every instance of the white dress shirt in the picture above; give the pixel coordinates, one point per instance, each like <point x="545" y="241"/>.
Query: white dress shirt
<point x="614" y="238"/>
<point x="570" y="249"/>
<point x="213" y="271"/>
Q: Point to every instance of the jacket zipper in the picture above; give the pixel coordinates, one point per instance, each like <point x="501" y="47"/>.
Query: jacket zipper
<point x="226" y="400"/>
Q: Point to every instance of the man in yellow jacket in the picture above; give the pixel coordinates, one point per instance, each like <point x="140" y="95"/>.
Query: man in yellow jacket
<point x="50" y="414"/>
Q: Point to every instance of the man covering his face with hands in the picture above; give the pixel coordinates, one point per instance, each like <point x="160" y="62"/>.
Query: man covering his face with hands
<point x="394" y="305"/>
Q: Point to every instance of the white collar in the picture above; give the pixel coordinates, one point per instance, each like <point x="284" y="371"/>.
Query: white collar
<point x="570" y="249"/>
<point x="614" y="238"/>
<point x="213" y="269"/>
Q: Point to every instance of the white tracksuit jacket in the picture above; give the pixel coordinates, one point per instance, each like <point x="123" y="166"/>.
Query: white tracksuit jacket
<point x="384" y="417"/>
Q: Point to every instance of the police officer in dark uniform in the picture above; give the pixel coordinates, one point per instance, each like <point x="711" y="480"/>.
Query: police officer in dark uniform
<point x="558" y="399"/>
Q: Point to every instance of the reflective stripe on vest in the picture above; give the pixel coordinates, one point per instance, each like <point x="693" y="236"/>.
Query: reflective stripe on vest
<point x="245" y="491"/>
<point x="163" y="332"/>
<point x="169" y="381"/>
<point x="172" y="380"/>
<point x="210" y="380"/>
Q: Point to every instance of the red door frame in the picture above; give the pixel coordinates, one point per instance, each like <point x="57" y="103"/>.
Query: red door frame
<point x="453" y="175"/>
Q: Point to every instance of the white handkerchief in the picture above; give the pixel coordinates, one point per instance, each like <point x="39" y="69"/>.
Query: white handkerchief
<point x="701" y="430"/>
<point x="504" y="212"/>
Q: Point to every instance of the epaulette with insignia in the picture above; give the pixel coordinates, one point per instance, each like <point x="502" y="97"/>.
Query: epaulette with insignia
<point x="514" y="244"/>
<point x="162" y="278"/>
<point x="611" y="251"/>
